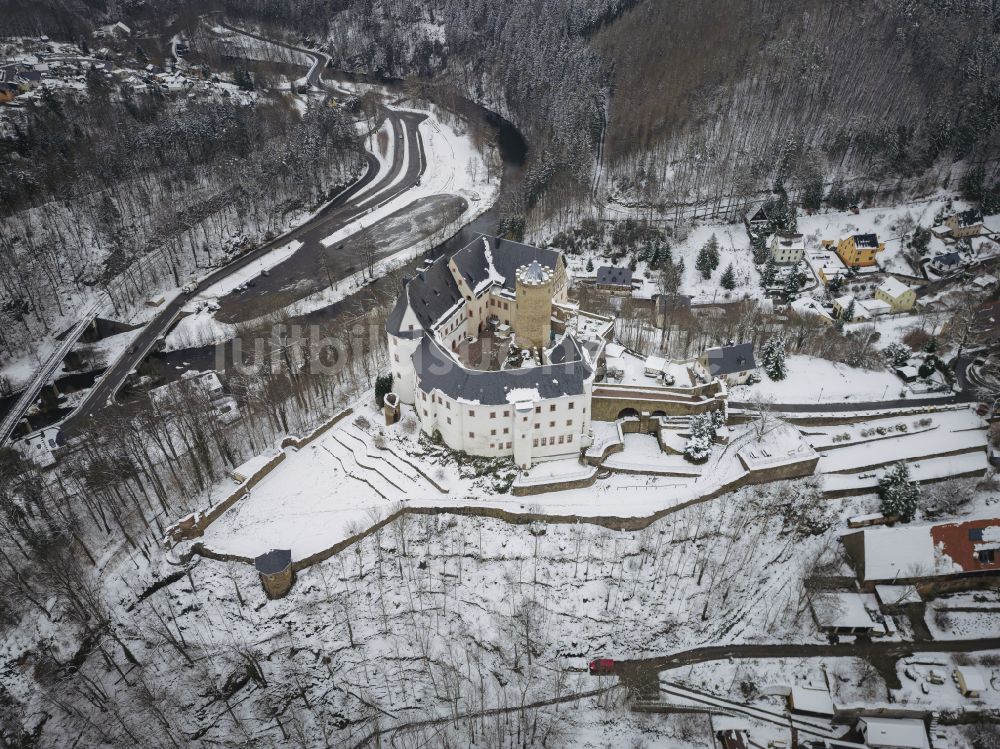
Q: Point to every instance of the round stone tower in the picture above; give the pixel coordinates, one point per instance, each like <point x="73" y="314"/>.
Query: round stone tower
<point x="533" y="314"/>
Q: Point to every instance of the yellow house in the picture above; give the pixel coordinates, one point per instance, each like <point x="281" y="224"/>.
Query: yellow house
<point x="897" y="295"/>
<point x="859" y="250"/>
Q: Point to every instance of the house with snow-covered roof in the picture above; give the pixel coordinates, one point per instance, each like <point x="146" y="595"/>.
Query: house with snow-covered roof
<point x="787" y="249"/>
<point x="968" y="223"/>
<point x="896" y="294"/>
<point x="930" y="555"/>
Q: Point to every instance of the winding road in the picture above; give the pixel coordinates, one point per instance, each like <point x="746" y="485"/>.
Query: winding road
<point x="370" y="191"/>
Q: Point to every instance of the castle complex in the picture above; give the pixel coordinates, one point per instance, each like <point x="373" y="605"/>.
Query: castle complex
<point x="475" y="347"/>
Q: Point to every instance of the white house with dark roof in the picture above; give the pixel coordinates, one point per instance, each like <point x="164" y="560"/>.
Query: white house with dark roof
<point x="471" y="348"/>
<point x="732" y="364"/>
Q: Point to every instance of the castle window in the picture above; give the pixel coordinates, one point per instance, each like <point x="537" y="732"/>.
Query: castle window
<point x="449" y="419"/>
<point x="471" y="412"/>
<point x="569" y="438"/>
<point x="506" y="430"/>
<point x="493" y="414"/>
<point x="493" y="433"/>
<point x="508" y="446"/>
<point x="506" y="414"/>
<point x="472" y="435"/>
<point x="535" y="442"/>
<point x="551" y="424"/>
<point x="560" y="439"/>
<point x="569" y="422"/>
<point x="552" y="407"/>
<point x="538" y="426"/>
<point x="538" y="409"/>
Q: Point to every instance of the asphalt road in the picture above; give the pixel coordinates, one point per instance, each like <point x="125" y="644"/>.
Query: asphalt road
<point x="344" y="208"/>
<point x="640" y="672"/>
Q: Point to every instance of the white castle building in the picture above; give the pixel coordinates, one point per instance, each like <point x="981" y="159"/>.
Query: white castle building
<point x="472" y="349"/>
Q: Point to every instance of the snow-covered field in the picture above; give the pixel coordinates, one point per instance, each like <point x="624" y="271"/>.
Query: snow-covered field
<point x="810" y="379"/>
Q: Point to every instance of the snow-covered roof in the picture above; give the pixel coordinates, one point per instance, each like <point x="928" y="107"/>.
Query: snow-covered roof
<point x="809" y="698"/>
<point x="614" y="350"/>
<point x="655" y="363"/>
<point x="972" y="677"/>
<point x="895" y="595"/>
<point x="842" y="610"/>
<point x="809" y="306"/>
<point x="876" y="307"/>
<point x="903" y="551"/>
<point x="893" y="287"/>
<point x="898" y="733"/>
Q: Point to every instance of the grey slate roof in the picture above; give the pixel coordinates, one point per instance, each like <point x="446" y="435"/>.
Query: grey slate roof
<point x="437" y="370"/>
<point x="433" y="291"/>
<point x="430" y="294"/>
<point x="274" y="561"/>
<point x="970" y="217"/>
<point x="724" y="360"/>
<point x="948" y="260"/>
<point x="508" y="256"/>
<point x="609" y="275"/>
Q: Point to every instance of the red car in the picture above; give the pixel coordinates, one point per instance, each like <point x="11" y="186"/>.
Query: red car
<point x="601" y="666"/>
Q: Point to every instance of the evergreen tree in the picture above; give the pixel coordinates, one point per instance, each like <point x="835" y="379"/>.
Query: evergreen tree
<point x="758" y="243"/>
<point x="773" y="357"/>
<point x="701" y="433"/>
<point x="590" y="265"/>
<point x="728" y="280"/>
<point x="794" y="283"/>
<point x="633" y="264"/>
<point x="899" y="495"/>
<point x="849" y="312"/>
<point x="768" y="274"/>
<point x="896" y="354"/>
<point x="708" y="257"/>
<point x="383" y="386"/>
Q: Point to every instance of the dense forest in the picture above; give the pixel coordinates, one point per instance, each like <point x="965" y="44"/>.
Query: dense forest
<point x="119" y="191"/>
<point x="705" y="102"/>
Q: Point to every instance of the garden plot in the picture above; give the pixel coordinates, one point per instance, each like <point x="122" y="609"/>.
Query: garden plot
<point x="359" y="472"/>
<point x="810" y="379"/>
<point x="905" y="447"/>
<point x="926" y="680"/>
<point x="927" y="470"/>
<point x="874" y="430"/>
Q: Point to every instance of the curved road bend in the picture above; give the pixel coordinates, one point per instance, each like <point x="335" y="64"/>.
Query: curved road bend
<point x="341" y="211"/>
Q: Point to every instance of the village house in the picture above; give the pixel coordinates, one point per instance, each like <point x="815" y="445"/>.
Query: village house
<point x="850" y="309"/>
<point x="965" y="223"/>
<point x="897" y="295"/>
<point x="787" y="249"/>
<point x="928" y="555"/>
<point x="859" y="250"/>
<point x="828" y="273"/>
<point x="894" y="733"/>
<point x="617" y="280"/>
<point x="733" y="364"/>
<point x="809" y="307"/>
<point x="946" y="262"/>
